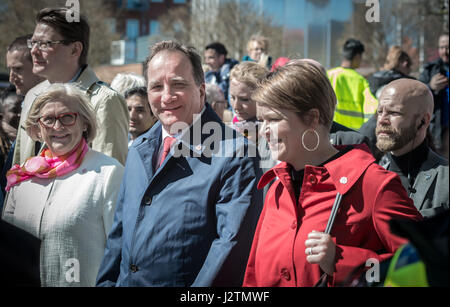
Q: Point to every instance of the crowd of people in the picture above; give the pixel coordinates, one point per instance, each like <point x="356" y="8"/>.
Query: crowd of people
<point x="217" y="172"/>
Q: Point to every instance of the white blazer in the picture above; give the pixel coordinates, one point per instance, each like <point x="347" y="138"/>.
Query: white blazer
<point x="72" y="216"/>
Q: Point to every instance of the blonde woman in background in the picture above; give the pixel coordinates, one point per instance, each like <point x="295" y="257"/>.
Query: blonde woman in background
<point x="257" y="49"/>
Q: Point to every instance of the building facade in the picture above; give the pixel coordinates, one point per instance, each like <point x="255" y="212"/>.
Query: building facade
<point x="136" y="23"/>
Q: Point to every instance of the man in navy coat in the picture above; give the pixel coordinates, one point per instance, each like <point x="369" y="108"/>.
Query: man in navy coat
<point x="188" y="218"/>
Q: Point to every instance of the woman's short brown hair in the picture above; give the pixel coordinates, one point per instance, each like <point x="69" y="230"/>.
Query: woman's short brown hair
<point x="299" y="86"/>
<point x="62" y="91"/>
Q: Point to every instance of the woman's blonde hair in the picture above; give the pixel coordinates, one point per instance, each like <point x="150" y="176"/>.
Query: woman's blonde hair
<point x="65" y="92"/>
<point x="262" y="40"/>
<point x="299" y="86"/>
<point x="249" y="73"/>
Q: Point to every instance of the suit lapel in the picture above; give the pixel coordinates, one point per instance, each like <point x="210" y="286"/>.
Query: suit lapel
<point x="148" y="150"/>
<point x="422" y="185"/>
<point x="424" y="179"/>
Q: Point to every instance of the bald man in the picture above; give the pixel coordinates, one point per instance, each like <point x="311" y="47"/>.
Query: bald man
<point x="403" y="117"/>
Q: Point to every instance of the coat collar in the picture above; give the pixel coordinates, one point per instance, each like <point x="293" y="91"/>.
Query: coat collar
<point x="343" y="171"/>
<point x="84" y="82"/>
<point x="154" y="134"/>
<point x="432" y="161"/>
<point x="425" y="178"/>
<point x="86" y="78"/>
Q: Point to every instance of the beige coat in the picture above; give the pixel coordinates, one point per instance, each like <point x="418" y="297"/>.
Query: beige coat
<point x="112" y="118"/>
<point x="72" y="215"/>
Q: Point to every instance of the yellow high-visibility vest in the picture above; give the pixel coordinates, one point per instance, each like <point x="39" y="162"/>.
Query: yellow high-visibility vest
<point x="355" y="102"/>
<point x="406" y="269"/>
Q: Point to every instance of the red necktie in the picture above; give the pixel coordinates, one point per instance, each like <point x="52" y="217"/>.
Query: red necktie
<point x="168" y="142"/>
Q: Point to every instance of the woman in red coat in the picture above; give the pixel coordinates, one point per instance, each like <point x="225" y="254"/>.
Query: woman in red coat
<point x="290" y="247"/>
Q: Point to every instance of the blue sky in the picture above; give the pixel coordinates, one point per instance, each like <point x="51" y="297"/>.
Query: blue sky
<point x="296" y="13"/>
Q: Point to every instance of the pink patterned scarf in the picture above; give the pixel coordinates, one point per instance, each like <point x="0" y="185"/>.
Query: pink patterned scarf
<point x="46" y="165"/>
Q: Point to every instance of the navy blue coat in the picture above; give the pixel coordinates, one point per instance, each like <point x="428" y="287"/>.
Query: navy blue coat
<point x="190" y="222"/>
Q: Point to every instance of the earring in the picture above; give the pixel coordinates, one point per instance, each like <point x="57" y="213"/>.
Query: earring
<point x="303" y="139"/>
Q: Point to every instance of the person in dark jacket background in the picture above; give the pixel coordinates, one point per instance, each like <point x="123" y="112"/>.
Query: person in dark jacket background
<point x="435" y="75"/>
<point x="220" y="66"/>
<point x="398" y="65"/>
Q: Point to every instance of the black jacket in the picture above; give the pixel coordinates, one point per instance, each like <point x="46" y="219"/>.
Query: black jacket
<point x="430" y="188"/>
<point x="342" y="135"/>
<point x="429" y="70"/>
<point x="381" y="78"/>
<point x="19" y="257"/>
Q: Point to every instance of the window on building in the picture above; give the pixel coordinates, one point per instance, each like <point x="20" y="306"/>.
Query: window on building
<point x="179" y="1"/>
<point x="137" y="4"/>
<point x="156" y="0"/>
<point x="132" y="28"/>
<point x="153" y="27"/>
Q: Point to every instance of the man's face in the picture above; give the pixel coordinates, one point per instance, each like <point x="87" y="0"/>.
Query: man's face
<point x="141" y="118"/>
<point x="443" y="48"/>
<point x="51" y="62"/>
<point x="12" y="106"/>
<point x="213" y="59"/>
<point x="172" y="93"/>
<point x="396" y="124"/>
<point x="21" y="71"/>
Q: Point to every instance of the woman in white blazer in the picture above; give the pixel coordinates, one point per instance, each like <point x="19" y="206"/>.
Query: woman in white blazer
<point x="66" y="195"/>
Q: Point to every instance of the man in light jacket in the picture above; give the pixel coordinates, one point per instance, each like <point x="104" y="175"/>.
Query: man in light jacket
<point x="59" y="50"/>
<point x="186" y="212"/>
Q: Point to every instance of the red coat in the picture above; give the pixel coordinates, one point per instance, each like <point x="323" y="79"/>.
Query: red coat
<point x="371" y="197"/>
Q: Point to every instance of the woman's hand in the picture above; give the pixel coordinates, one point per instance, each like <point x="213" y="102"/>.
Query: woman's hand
<point x="321" y="249"/>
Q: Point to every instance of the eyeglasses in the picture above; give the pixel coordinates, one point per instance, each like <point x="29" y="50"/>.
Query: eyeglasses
<point x="65" y="119"/>
<point x="44" y="45"/>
